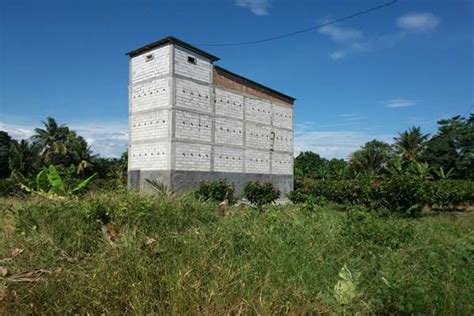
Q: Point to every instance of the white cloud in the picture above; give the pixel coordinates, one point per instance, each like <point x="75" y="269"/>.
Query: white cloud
<point x="399" y="103"/>
<point x="351" y="117"/>
<point x="257" y="7"/>
<point x="109" y="139"/>
<point x="341" y="34"/>
<point x="337" y="55"/>
<point x="418" y="22"/>
<point x="351" y="40"/>
<point x="334" y="144"/>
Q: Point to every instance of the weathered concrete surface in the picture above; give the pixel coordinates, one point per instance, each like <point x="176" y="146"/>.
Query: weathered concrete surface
<point x="180" y="181"/>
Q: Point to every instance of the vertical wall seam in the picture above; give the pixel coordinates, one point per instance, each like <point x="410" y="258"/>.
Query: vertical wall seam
<point x="172" y="113"/>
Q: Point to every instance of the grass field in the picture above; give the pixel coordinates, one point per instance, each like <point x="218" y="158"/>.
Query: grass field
<point x="182" y="256"/>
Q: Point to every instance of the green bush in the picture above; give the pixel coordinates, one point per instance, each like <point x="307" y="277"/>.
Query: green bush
<point x="404" y="194"/>
<point x="261" y="193"/>
<point x="401" y="194"/>
<point x="395" y="194"/>
<point x="449" y="194"/>
<point x="8" y="187"/>
<point x="216" y="191"/>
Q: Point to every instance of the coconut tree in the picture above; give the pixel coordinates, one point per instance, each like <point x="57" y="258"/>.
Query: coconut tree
<point x="24" y="157"/>
<point x="52" y="139"/>
<point x="372" y="157"/>
<point x="410" y="144"/>
<point x="81" y="155"/>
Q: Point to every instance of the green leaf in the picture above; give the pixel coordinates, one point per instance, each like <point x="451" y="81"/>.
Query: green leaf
<point x="345" y="289"/>
<point x="55" y="180"/>
<point x="84" y="183"/>
<point x="42" y="183"/>
<point x="26" y="188"/>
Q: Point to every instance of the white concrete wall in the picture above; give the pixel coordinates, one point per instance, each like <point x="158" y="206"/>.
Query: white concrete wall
<point x="149" y="125"/>
<point x="229" y="131"/>
<point x="250" y="135"/>
<point x="282" y="116"/>
<point x="228" y="159"/>
<point x="152" y="94"/>
<point x="259" y="111"/>
<point x="258" y="136"/>
<point x="143" y="68"/>
<point x="257" y="161"/>
<point x="199" y="71"/>
<point x="229" y="104"/>
<point x="189" y="125"/>
<point x="193" y="95"/>
<point x="152" y="156"/>
<point x="191" y="156"/>
<point x="283" y="140"/>
<point x="282" y="163"/>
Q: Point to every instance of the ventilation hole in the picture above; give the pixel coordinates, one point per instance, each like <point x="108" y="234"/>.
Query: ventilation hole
<point x="149" y="57"/>
<point x="192" y="60"/>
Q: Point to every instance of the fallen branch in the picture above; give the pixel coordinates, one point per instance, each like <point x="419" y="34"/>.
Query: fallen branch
<point x="28" y="277"/>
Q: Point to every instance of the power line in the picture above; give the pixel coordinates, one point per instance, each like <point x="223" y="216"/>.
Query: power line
<point x="303" y="30"/>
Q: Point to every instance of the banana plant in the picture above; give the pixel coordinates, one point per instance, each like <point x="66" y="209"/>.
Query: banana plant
<point x="442" y="174"/>
<point x="48" y="183"/>
<point x="420" y="169"/>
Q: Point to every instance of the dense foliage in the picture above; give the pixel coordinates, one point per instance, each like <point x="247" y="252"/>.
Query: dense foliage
<point x="403" y="194"/>
<point x="58" y="145"/>
<point x="449" y="152"/>
<point x="261" y="193"/>
<point x="216" y="191"/>
<point x="181" y="256"/>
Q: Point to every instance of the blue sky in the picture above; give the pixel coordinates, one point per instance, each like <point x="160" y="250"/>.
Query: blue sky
<point x="369" y="77"/>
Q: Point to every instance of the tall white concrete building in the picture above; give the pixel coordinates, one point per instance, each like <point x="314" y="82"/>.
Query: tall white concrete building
<point x="193" y="121"/>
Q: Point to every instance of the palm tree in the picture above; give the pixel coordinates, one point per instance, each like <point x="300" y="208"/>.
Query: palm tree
<point x="24" y="157"/>
<point x="372" y="157"/>
<point x="82" y="155"/>
<point x="410" y="144"/>
<point x="52" y="139"/>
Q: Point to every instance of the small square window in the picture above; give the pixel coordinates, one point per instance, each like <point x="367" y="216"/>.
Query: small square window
<point x="149" y="57"/>
<point x="191" y="60"/>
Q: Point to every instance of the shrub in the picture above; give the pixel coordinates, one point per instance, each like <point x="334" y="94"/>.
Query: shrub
<point x="400" y="193"/>
<point x="8" y="187"/>
<point x="449" y="194"/>
<point x="215" y="191"/>
<point x="261" y="193"/>
<point x="298" y="196"/>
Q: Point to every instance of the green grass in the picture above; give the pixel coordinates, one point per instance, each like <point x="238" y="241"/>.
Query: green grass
<point x="285" y="259"/>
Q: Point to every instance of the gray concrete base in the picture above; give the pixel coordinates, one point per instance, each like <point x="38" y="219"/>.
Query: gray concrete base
<point x="180" y="181"/>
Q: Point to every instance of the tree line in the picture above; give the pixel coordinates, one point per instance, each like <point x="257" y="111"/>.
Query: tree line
<point x="447" y="154"/>
<point x="58" y="145"/>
